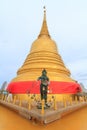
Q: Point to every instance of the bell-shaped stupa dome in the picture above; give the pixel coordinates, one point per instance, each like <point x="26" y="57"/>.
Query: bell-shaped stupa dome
<point x="43" y="54"/>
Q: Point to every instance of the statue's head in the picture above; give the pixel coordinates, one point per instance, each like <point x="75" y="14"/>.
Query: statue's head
<point x="44" y="72"/>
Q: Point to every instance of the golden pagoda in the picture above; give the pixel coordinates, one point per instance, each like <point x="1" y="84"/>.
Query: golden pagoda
<point x="43" y="54"/>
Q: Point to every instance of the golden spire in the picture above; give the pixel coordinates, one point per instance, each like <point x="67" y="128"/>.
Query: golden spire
<point x="44" y="29"/>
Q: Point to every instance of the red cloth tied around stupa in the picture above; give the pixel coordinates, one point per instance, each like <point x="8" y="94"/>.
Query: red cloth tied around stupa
<point x="55" y="87"/>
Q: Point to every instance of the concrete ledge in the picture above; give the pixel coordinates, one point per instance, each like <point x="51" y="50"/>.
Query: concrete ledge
<point x="49" y="116"/>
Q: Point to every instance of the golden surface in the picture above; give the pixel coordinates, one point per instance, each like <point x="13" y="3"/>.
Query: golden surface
<point x="10" y="120"/>
<point x="59" y="97"/>
<point x="43" y="54"/>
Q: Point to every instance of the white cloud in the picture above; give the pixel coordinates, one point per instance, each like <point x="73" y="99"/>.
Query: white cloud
<point x="79" y="70"/>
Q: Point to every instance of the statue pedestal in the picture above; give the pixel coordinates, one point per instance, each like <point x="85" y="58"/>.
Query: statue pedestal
<point x="46" y="106"/>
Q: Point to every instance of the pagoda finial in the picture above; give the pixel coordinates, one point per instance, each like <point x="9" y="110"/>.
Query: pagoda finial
<point x="44" y="8"/>
<point x="44" y="29"/>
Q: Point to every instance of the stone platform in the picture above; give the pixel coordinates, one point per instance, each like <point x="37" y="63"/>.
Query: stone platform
<point x="49" y="115"/>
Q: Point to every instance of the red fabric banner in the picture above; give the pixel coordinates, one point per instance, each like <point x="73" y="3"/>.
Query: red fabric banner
<point x="33" y="87"/>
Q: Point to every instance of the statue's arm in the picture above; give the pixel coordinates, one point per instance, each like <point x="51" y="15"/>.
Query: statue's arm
<point x="39" y="78"/>
<point x="47" y="79"/>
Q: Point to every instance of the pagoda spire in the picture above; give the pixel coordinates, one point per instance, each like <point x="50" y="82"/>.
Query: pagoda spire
<point x="44" y="29"/>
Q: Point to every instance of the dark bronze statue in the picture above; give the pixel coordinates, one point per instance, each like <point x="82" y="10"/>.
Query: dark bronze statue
<point x="44" y="85"/>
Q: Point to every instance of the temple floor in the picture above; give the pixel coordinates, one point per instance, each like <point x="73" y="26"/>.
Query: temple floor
<point x="10" y="120"/>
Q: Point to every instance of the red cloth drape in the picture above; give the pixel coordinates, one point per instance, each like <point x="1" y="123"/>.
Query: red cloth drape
<point x="55" y="87"/>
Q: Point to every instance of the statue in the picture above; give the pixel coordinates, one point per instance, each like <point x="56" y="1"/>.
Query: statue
<point x="44" y="85"/>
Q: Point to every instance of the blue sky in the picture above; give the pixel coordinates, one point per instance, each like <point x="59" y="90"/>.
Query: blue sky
<point x="20" y="24"/>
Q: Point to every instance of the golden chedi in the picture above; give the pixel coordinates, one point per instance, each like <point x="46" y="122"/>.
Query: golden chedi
<point x="43" y="54"/>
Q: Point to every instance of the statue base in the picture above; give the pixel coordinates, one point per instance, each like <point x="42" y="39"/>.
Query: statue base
<point x="46" y="106"/>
